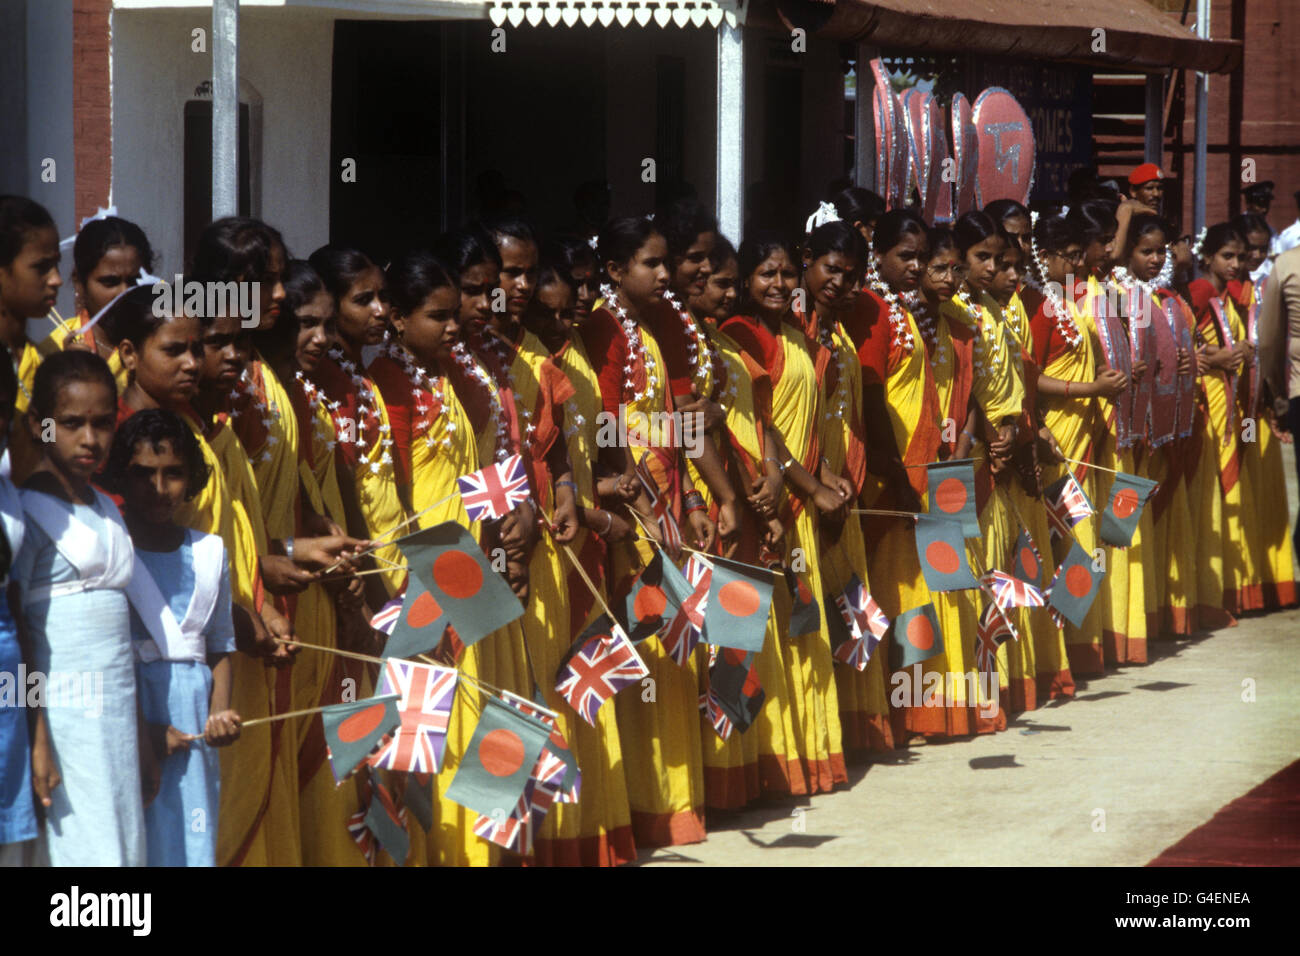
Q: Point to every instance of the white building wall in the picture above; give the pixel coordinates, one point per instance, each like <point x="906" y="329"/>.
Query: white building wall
<point x="285" y="56"/>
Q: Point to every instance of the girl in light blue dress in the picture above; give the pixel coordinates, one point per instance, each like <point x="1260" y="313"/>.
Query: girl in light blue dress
<point x="181" y="631"/>
<point x="17" y="814"/>
<point x="72" y="574"/>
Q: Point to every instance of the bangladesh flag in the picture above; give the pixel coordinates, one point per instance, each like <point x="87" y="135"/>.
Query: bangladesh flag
<point x="1128" y="495"/>
<point x="952" y="493"/>
<point x="941" y="548"/>
<point x="418" y="797"/>
<point x="656" y="594"/>
<point x="917" y="636"/>
<point x="1028" y="563"/>
<point x="452" y="583"/>
<point x="354" y="729"/>
<point x="498" y="761"/>
<point x="735" y="686"/>
<point x="805" y="613"/>
<point x="738" y="601"/>
<point x="387" y="824"/>
<point x="1075" y="586"/>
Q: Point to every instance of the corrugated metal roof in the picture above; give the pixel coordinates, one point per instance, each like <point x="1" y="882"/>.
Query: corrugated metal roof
<point x="1098" y="32"/>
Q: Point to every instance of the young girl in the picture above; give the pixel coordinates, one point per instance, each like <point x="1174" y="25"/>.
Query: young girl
<point x="29" y="286"/>
<point x="18" y="825"/>
<point x="181" y="631"/>
<point x="107" y="258"/>
<point x="73" y="573"/>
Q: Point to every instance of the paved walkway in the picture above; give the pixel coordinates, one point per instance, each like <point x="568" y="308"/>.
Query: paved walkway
<point x="1139" y="758"/>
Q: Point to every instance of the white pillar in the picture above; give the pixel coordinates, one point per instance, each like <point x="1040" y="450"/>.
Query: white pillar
<point x="730" y="162"/>
<point x="225" y="108"/>
<point x="1155" y="120"/>
<point x="1202" y="120"/>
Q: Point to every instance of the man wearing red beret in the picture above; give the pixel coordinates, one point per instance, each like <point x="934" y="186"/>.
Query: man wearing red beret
<point x="1146" y="184"/>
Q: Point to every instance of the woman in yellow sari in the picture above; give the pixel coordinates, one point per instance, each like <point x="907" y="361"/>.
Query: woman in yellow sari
<point x="659" y="725"/>
<point x="1264" y="473"/>
<point x="107" y="256"/>
<point x="361" y="420"/>
<point x="1221" y="356"/>
<point x="770" y="330"/>
<point x="757" y="761"/>
<point x="834" y="261"/>
<point x="1069" y="388"/>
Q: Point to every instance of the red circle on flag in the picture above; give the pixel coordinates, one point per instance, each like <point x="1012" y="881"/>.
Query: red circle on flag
<point x="1029" y="562"/>
<point x="920" y="632"/>
<point x="1078" y="581"/>
<point x="950" y="495"/>
<point x="649" y="602"/>
<point x="805" y="594"/>
<point x="361" y="724"/>
<point x="739" y="598"/>
<point x="423" y="611"/>
<point x="1124" y="503"/>
<point x="501" y="752"/>
<point x="942" y="556"/>
<point x="457" y="575"/>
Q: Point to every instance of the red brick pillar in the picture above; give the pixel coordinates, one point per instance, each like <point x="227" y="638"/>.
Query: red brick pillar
<point x="92" y="120"/>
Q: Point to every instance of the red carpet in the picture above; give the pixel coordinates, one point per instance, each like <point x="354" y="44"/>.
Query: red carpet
<point x="1260" y="829"/>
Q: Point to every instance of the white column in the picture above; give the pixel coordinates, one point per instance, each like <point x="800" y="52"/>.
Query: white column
<point x="1202" y="121"/>
<point x="730" y="163"/>
<point x="225" y="108"/>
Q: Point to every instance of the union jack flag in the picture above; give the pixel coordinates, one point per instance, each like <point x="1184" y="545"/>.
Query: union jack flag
<point x="686" y="629"/>
<point x="386" y="619"/>
<point x="427" y="694"/>
<point x="993" y="632"/>
<point x="1067" y="505"/>
<point x="599" y="669"/>
<point x="1057" y="617"/>
<point x="1010" y="591"/>
<point x="867" y="624"/>
<point x="505" y="831"/>
<point x="494" y="491"/>
<point x="661" y="507"/>
<point x="717" y="716"/>
<point x="362" y="836"/>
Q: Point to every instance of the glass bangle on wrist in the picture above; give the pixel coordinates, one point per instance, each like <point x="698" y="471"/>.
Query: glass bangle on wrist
<point x="569" y="483"/>
<point x="288" y="548"/>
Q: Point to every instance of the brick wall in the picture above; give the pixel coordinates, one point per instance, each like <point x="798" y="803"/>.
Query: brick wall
<point x="91" y="104"/>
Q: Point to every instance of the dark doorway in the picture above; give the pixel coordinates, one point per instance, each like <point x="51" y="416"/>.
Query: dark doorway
<point x="782" y="134"/>
<point x="386" y="115"/>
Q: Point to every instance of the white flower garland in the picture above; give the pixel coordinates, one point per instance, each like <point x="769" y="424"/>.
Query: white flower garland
<point x="1036" y="279"/>
<point x="981" y="350"/>
<point x="364" y="394"/>
<point x="696" y="341"/>
<point x="476" y="371"/>
<point x="839" y="400"/>
<point x="929" y="327"/>
<point x="506" y="359"/>
<point x="244" y="388"/>
<point x="315" y="399"/>
<point x="635" y="346"/>
<point x="897" y="315"/>
<point x="423" y="383"/>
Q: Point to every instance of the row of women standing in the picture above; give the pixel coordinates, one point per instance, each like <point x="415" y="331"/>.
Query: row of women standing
<point x="825" y="374"/>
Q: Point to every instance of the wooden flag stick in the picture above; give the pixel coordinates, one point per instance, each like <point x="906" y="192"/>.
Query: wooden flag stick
<point x="377" y="541"/>
<point x="360" y="574"/>
<point x="1075" y="461"/>
<point x="333" y="650"/>
<point x="582" y="572"/>
<point x="285" y="716"/>
<point x="54" y="317"/>
<point x="878" y="511"/>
